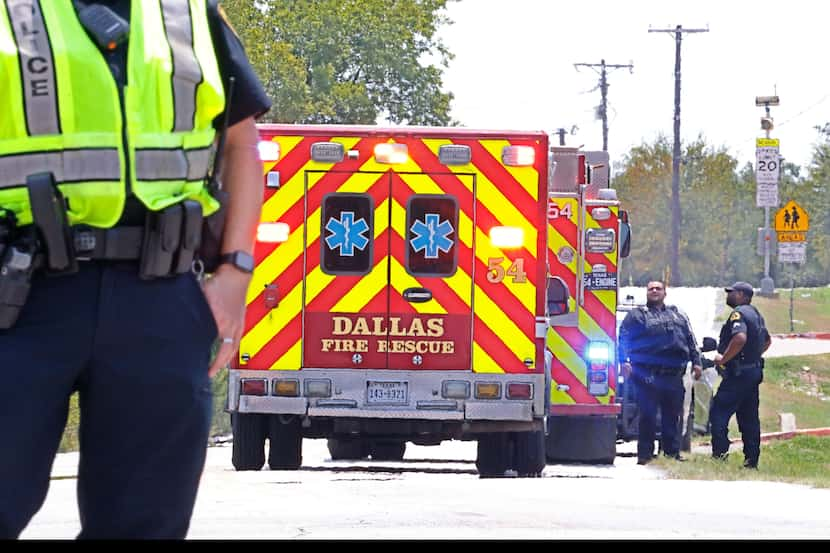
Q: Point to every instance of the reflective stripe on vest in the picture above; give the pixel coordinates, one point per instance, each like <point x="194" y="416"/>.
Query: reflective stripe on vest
<point x="37" y="65"/>
<point x="68" y="166"/>
<point x="153" y="165"/>
<point x="186" y="71"/>
<point x="65" y="116"/>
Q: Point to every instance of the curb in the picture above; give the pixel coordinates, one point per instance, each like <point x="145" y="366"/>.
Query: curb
<point x="792" y="434"/>
<point x="771" y="436"/>
<point x="813" y="335"/>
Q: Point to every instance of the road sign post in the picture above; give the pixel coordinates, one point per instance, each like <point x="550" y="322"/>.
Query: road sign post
<point x="767" y="172"/>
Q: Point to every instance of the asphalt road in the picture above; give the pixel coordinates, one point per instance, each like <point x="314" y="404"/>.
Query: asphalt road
<point x="434" y="493"/>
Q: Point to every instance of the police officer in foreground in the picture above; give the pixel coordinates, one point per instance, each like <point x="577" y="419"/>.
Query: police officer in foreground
<point x="655" y="345"/>
<point x="111" y="112"/>
<point x="743" y="340"/>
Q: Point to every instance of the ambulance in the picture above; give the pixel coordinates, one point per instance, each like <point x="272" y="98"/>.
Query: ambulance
<point x="400" y="295"/>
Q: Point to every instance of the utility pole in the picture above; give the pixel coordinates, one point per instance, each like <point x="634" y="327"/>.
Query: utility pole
<point x="603" y="87"/>
<point x="675" y="165"/>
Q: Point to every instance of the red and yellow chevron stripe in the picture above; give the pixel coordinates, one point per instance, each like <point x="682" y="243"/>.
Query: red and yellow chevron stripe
<point x="596" y="316"/>
<point x="482" y="317"/>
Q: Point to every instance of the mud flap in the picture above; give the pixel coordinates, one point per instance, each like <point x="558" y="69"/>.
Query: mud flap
<point x="585" y="439"/>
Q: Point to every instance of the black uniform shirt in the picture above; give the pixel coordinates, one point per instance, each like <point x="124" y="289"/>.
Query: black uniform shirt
<point x="657" y="336"/>
<point x="746" y="319"/>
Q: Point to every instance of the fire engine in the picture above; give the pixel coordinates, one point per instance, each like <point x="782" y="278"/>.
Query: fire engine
<point x="420" y="285"/>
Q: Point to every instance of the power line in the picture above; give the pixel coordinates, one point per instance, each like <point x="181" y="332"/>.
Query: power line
<point x="603" y="86"/>
<point x="805" y="110"/>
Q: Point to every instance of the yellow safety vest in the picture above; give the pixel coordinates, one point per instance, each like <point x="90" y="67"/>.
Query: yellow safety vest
<point x="60" y="111"/>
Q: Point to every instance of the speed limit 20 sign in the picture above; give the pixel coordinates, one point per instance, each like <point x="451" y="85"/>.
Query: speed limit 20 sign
<point x="767" y="168"/>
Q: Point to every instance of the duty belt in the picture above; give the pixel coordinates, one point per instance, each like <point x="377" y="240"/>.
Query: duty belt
<point x="117" y="243"/>
<point x="661" y="369"/>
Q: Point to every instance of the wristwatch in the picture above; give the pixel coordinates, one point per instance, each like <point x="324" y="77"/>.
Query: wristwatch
<point x="239" y="259"/>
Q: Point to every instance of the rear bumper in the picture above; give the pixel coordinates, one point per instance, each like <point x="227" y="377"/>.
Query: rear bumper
<point x="425" y="399"/>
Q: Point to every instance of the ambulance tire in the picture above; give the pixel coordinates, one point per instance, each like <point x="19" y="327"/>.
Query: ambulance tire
<point x="286" y="442"/>
<point x="347" y="449"/>
<point x="529" y="454"/>
<point x="493" y="457"/>
<point x="248" y="441"/>
<point x="383" y="450"/>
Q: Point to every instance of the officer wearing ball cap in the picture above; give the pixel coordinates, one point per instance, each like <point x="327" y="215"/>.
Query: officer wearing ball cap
<point x="743" y="340"/>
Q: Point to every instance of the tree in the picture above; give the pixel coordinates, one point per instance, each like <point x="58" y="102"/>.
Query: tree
<point x="717" y="240"/>
<point x="813" y="194"/>
<point x="347" y="61"/>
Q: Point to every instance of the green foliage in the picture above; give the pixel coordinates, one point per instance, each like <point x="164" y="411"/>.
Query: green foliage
<point x="801" y="460"/>
<point x="810" y="309"/>
<point x="347" y="61"/>
<point x="719" y="218"/>
<point x="70" y="440"/>
<point x="221" y="421"/>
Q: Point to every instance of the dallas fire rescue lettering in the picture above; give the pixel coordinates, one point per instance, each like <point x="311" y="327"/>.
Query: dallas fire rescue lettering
<point x="387" y="327"/>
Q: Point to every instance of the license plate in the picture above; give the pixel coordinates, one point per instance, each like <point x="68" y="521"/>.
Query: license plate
<point x="387" y="393"/>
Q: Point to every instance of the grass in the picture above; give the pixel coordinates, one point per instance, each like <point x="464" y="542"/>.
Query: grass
<point x="801" y="460"/>
<point x="787" y="388"/>
<point x="811" y="310"/>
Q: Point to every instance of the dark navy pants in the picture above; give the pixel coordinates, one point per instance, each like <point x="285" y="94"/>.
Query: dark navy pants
<point x="137" y="352"/>
<point x="666" y="393"/>
<point x="737" y="395"/>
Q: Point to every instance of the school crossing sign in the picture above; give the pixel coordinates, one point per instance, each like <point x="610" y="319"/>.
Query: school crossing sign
<point x="792" y="224"/>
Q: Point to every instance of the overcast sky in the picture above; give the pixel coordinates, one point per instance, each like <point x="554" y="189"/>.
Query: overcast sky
<point x="514" y="68"/>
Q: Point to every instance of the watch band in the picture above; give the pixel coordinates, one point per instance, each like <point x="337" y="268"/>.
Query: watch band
<point x="240" y="259"/>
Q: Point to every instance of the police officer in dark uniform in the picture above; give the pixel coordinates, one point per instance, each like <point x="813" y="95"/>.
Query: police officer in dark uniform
<point x="743" y="340"/>
<point x="127" y="139"/>
<point x="655" y="344"/>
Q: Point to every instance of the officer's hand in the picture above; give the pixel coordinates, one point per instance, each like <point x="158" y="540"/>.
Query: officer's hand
<point x="225" y="292"/>
<point x="697" y="370"/>
<point x="718" y="359"/>
<point x="626" y="369"/>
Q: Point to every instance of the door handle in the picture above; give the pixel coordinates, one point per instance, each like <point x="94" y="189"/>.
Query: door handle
<point x="417" y="295"/>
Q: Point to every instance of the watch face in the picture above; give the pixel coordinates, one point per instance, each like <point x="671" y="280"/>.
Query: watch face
<point x="244" y="261"/>
<point x="241" y="260"/>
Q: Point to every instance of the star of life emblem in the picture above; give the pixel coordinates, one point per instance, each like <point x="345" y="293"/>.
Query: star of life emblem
<point x="431" y="235"/>
<point x="347" y="234"/>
